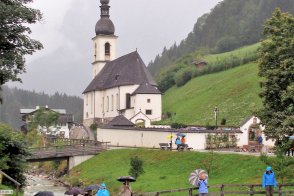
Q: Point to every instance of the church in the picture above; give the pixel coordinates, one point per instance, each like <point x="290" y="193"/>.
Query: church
<point x="120" y="86"/>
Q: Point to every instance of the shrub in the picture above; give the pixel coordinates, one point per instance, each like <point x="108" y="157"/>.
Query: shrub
<point x="136" y="167"/>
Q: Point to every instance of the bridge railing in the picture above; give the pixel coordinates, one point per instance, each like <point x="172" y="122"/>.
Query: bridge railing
<point x="221" y="190"/>
<point x="65" y="150"/>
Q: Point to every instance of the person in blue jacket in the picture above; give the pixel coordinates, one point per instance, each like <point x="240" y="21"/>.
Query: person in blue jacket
<point x="102" y="191"/>
<point x="202" y="184"/>
<point x="269" y="181"/>
<point x="178" y="142"/>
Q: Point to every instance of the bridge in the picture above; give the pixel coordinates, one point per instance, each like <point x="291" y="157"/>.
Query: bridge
<point x="75" y="151"/>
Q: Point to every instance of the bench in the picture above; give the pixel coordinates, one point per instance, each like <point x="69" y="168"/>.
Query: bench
<point x="184" y="148"/>
<point x="164" y="146"/>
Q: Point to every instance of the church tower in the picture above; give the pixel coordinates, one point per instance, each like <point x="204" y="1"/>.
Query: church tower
<point x="105" y="41"/>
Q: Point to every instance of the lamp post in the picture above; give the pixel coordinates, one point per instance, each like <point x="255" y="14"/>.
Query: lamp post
<point x="215" y="116"/>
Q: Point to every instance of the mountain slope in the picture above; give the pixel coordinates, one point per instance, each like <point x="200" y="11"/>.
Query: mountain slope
<point x="231" y="24"/>
<point x="234" y="92"/>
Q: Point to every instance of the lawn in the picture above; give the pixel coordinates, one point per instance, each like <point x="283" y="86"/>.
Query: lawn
<point x="234" y="92"/>
<point x="165" y="170"/>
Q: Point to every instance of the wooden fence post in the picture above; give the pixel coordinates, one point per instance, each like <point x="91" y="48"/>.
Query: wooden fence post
<point x="190" y="192"/>
<point x="157" y="193"/>
<point x="280" y="190"/>
<point x="222" y="190"/>
<point x="251" y="190"/>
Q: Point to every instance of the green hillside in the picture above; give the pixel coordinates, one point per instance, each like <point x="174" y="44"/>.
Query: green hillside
<point x="166" y="170"/>
<point x="234" y="92"/>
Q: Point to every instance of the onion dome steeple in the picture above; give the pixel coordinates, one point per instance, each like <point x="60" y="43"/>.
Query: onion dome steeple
<point x="104" y="26"/>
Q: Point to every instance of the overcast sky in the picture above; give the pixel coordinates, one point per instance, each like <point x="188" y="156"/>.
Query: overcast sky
<point x="64" y="65"/>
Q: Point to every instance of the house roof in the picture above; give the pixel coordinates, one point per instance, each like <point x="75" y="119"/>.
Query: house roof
<point x="29" y="111"/>
<point x="126" y="70"/>
<point x="120" y="121"/>
<point x="146" y="89"/>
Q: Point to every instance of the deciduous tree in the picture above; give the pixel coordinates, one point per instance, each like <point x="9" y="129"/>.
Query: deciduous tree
<point x="15" y="42"/>
<point x="276" y="67"/>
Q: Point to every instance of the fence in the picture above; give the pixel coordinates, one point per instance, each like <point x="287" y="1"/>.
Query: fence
<point x="221" y="190"/>
<point x="12" y="180"/>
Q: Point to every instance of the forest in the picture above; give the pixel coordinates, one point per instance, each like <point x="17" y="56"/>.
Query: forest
<point x="15" y="99"/>
<point x="230" y="25"/>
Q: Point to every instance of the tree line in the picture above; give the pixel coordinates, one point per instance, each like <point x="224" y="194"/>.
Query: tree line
<point x="15" y="99"/>
<point x="230" y="24"/>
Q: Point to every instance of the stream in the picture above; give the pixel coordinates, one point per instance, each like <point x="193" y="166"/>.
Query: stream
<point x="39" y="183"/>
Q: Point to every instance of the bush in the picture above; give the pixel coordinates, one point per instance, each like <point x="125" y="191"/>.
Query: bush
<point x="183" y="76"/>
<point x="178" y="125"/>
<point x="223" y="121"/>
<point x="136" y="167"/>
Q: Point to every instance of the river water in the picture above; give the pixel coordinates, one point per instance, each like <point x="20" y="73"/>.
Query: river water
<point x="39" y="183"/>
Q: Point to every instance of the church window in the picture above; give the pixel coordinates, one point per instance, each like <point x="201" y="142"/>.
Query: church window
<point x="103" y="104"/>
<point x="87" y="115"/>
<point x="107" y="106"/>
<point x="148" y="100"/>
<point x="107" y="49"/>
<point x="117" y="101"/>
<point x="92" y="97"/>
<point x="148" y="112"/>
<point x="87" y="97"/>
<point x="128" y="101"/>
<point x="111" y="102"/>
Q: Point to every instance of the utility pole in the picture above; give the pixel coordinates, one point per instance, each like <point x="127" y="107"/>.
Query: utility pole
<point x="215" y="116"/>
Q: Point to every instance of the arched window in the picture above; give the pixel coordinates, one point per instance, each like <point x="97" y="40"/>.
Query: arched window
<point x="107" y="49"/>
<point x="128" y="101"/>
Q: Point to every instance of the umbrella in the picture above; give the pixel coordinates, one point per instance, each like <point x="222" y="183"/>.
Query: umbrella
<point x="169" y="136"/>
<point x="181" y="134"/>
<point x="44" y="193"/>
<point x="126" y="178"/>
<point x="74" y="191"/>
<point x="195" y="175"/>
<point x="291" y="137"/>
<point x="92" y="187"/>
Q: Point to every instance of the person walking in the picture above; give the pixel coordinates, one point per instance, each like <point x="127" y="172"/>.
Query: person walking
<point x="102" y="191"/>
<point x="269" y="181"/>
<point x="178" y="142"/>
<point x="202" y="184"/>
<point x="126" y="189"/>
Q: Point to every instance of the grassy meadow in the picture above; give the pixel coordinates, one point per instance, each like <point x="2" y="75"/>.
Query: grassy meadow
<point x="165" y="170"/>
<point x="234" y="92"/>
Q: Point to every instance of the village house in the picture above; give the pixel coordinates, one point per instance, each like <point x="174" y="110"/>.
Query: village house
<point x="61" y="128"/>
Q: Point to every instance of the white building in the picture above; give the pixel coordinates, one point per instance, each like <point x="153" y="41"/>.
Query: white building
<point x="120" y="132"/>
<point x="119" y="85"/>
<point x="62" y="128"/>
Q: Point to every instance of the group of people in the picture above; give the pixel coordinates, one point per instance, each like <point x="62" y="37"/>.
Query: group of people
<point x="268" y="182"/>
<point x="125" y="190"/>
<point x="181" y="142"/>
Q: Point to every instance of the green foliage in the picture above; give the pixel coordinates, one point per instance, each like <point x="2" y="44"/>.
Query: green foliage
<point x="223" y="121"/>
<point x="44" y="118"/>
<point x="136" y="168"/>
<point x="276" y="67"/>
<point x="15" y="99"/>
<point x="176" y="125"/>
<point x="93" y="127"/>
<point x="235" y="91"/>
<point x="222" y="29"/>
<point x="183" y="70"/>
<point x="216" y="141"/>
<point x="14" y="40"/>
<point x="13" y="151"/>
<point x="183" y="76"/>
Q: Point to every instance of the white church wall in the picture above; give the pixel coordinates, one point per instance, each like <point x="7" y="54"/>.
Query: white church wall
<point x="149" y="139"/>
<point x="154" y="104"/>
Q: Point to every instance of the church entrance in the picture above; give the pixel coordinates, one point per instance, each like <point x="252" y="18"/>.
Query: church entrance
<point x="140" y="123"/>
